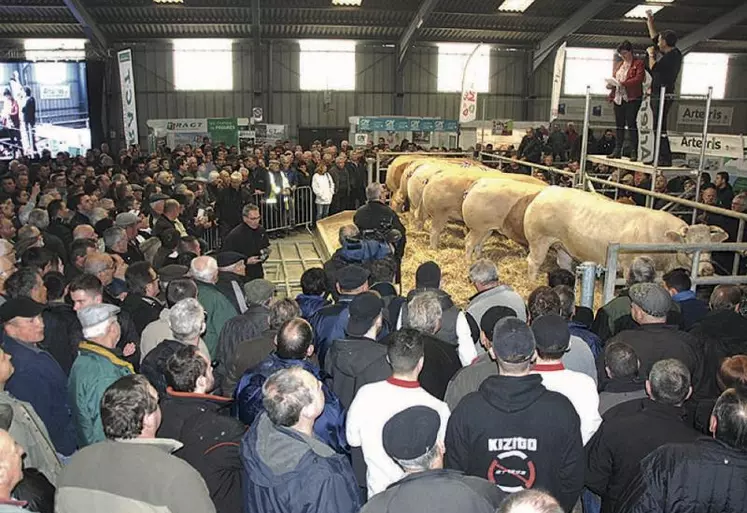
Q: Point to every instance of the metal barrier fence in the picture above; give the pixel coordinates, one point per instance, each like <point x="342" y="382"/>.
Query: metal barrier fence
<point x="288" y="211"/>
<point x="492" y="158"/>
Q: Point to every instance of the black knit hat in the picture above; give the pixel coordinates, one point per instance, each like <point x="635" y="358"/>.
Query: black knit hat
<point x="551" y="333"/>
<point x="428" y="276"/>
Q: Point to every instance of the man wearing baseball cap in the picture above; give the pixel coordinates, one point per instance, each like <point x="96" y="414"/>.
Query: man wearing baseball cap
<point x="329" y="323"/>
<point x="410" y="438"/>
<point x="98" y="365"/>
<point x="130" y="221"/>
<point x="358" y="358"/>
<point x="38" y="378"/>
<point x="513" y="431"/>
<point x="654" y="339"/>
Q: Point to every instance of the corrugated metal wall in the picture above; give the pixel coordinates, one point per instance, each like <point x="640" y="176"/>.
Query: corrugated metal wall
<point x="513" y="95"/>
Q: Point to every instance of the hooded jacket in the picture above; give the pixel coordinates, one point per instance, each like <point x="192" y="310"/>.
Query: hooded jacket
<point x="211" y="439"/>
<point x="705" y="475"/>
<point x="518" y="435"/>
<point x="719" y="335"/>
<point x="288" y="472"/>
<point x="329" y="427"/>
<point x="310" y="304"/>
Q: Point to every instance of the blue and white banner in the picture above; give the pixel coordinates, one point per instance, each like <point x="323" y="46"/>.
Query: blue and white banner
<point x="129" y="107"/>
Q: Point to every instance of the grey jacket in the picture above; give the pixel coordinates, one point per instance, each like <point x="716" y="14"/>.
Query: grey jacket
<point x="468" y="379"/>
<point x="502" y="295"/>
<point x="128" y="476"/>
<point x="158" y="331"/>
<point x="30" y="432"/>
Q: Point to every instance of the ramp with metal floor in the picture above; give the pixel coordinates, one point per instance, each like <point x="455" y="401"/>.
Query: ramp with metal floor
<point x="289" y="259"/>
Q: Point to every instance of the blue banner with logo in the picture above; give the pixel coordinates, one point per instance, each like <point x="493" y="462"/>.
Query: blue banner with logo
<point x="380" y="124"/>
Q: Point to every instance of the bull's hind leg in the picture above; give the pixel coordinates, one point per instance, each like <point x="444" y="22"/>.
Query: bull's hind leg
<point x="537" y="253"/>
<point x="419" y="217"/>
<point x="474" y="242"/>
<point x="437" y="226"/>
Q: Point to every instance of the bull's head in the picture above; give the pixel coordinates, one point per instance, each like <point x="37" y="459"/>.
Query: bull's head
<point x="697" y="234"/>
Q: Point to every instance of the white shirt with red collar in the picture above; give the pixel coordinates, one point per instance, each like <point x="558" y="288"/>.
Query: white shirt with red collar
<point x="372" y="407"/>
<point x="580" y="390"/>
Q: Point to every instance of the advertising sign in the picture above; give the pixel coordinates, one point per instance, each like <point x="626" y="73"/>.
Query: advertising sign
<point x="225" y="130"/>
<point x="695" y="115"/>
<point x="127" y="87"/>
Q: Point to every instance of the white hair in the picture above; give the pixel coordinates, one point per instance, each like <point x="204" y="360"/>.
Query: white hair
<point x="483" y="272"/>
<point x="186" y="319"/>
<point x="373" y="191"/>
<point x="424" y="312"/>
<point x="39" y="218"/>
<point x="204" y="269"/>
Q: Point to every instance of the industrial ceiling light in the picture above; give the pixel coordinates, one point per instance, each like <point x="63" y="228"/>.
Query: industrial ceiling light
<point x="515" y="5"/>
<point x="168" y="1"/>
<point x="349" y="3"/>
<point x="639" y="11"/>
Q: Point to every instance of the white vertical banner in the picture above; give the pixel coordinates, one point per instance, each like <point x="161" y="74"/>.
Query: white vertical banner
<point x="129" y="107"/>
<point x="645" y="122"/>
<point x="557" y="82"/>
<point x="468" y="108"/>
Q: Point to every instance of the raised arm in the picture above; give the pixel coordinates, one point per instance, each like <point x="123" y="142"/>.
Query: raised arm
<point x="650" y="24"/>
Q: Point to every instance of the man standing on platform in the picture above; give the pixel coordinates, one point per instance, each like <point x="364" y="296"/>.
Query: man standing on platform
<point x="664" y="63"/>
<point x="376" y="220"/>
<point x="250" y="239"/>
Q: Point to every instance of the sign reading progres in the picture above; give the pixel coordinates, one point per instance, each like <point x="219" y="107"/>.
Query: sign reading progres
<point x="225" y="130"/>
<point x="127" y="88"/>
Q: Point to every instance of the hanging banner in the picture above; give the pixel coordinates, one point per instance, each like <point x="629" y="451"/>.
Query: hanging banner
<point x="645" y="120"/>
<point x="127" y="88"/>
<point x="380" y="124"/>
<point x="557" y="82"/>
<point x="717" y="145"/>
<point x="468" y="110"/>
<point x="223" y="130"/>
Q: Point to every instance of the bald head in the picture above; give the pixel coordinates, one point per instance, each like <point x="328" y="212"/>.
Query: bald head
<point x="100" y="265"/>
<point x="84" y="231"/>
<point x="204" y="269"/>
<point x="725" y="297"/>
<point x="294" y="339"/>
<point x="11" y="464"/>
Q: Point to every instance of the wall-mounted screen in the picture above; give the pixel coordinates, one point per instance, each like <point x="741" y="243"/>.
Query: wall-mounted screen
<point x="44" y="107"/>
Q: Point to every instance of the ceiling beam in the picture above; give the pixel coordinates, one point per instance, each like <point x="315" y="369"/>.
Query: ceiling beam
<point x="569" y="26"/>
<point x="90" y="28"/>
<point x="713" y="29"/>
<point x="426" y="8"/>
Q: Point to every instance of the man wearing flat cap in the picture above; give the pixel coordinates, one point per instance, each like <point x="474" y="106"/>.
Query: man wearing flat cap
<point x="513" y="431"/>
<point x="410" y="438"/>
<point x="98" y="365"/>
<point x="156" y="203"/>
<point x="129" y="221"/>
<point x="654" y="339"/>
<point x="38" y="378"/>
<point x="330" y="322"/>
<point x="231" y="278"/>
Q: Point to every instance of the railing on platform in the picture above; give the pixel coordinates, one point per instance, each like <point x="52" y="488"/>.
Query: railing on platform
<point x="491" y="157"/>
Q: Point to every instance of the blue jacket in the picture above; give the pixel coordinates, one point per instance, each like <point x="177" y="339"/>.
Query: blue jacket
<point x="288" y="472"/>
<point x="310" y="304"/>
<point x="329" y="324"/>
<point x="364" y="250"/>
<point x="592" y="339"/>
<point x="38" y="379"/>
<point x="329" y="427"/>
<point x="693" y="309"/>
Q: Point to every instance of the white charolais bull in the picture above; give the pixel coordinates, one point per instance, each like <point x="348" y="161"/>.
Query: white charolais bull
<point x="496" y="204"/>
<point x="580" y="226"/>
<point x="396" y="168"/>
<point x="443" y="195"/>
<point x="399" y="196"/>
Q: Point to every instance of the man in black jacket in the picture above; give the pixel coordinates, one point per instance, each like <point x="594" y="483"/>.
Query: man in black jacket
<point x="375" y="219"/>
<point x="358" y="359"/>
<point x="654" y="339"/>
<point x="231" y="278"/>
<point x="250" y="239"/>
<point x="632" y="430"/>
<point x="410" y="439"/>
<point x="515" y="432"/>
<point x="201" y="421"/>
<point x="167" y="221"/>
<point x="705" y="475"/>
<point x="142" y="299"/>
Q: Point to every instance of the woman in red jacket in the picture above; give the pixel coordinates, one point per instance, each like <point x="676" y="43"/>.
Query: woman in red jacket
<point x="626" y="98"/>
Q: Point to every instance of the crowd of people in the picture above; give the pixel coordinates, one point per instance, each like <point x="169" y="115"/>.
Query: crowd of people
<point x="142" y="369"/>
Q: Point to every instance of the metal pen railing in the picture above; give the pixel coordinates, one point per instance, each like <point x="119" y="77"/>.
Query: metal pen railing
<point x="379" y="169"/>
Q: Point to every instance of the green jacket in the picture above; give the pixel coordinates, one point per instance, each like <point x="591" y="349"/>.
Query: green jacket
<point x="218" y="309"/>
<point x="95" y="368"/>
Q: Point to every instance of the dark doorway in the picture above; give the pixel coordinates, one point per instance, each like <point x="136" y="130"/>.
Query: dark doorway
<point x="306" y="136"/>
